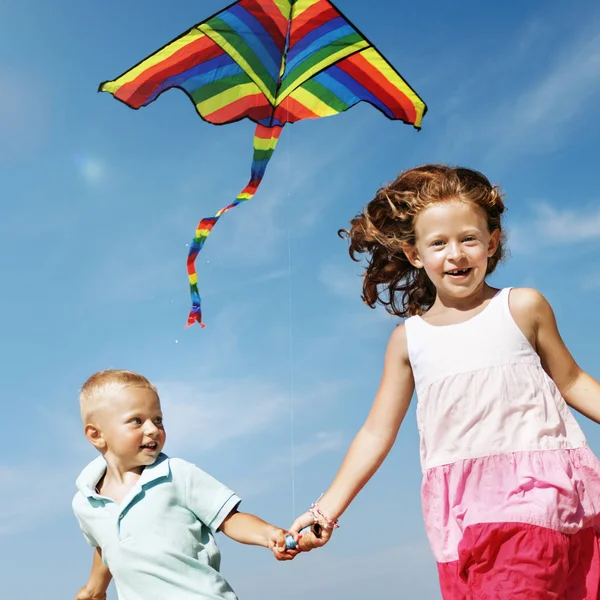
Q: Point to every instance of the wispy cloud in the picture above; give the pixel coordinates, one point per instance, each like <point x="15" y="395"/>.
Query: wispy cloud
<point x="323" y="441"/>
<point x="537" y="115"/>
<point x="234" y="409"/>
<point x="283" y="464"/>
<point x="21" y="507"/>
<point x="325" y="574"/>
<point x="544" y="112"/>
<point x="222" y="411"/>
<point x="590" y="282"/>
<point x="550" y="225"/>
<point x="342" y="279"/>
<point x="24" y="121"/>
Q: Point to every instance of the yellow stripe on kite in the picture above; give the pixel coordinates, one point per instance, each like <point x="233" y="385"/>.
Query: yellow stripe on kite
<point x="193" y="279"/>
<point x="218" y="101"/>
<point x="154" y="59"/>
<point x="382" y="65"/>
<point x="302" y="5"/>
<point x="314" y="104"/>
<point x="284" y="7"/>
<point x="264" y="143"/>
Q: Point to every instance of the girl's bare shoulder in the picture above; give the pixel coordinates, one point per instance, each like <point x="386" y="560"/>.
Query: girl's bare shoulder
<point x="527" y="302"/>
<point x="529" y="309"/>
<point x="398" y="345"/>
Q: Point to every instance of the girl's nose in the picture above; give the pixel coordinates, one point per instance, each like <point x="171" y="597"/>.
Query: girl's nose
<point x="455" y="251"/>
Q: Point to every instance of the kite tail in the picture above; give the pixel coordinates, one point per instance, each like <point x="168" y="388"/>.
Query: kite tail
<point x="265" y="140"/>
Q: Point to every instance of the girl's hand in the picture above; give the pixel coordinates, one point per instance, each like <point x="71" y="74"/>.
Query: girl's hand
<point x="85" y="594"/>
<point x="312" y="538"/>
<point x="277" y="545"/>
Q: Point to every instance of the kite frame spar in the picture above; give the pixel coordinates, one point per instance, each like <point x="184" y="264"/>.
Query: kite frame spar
<point x="267" y="131"/>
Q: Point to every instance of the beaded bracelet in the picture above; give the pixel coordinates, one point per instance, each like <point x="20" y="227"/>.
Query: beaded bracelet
<point x="317" y="515"/>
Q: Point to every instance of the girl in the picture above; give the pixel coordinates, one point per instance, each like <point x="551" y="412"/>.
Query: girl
<point x="511" y="491"/>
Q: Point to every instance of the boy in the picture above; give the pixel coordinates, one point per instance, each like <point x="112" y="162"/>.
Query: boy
<point x="151" y="518"/>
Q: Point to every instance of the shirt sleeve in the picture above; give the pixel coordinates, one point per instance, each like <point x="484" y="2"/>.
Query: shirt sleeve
<point x="89" y="538"/>
<point x="210" y="500"/>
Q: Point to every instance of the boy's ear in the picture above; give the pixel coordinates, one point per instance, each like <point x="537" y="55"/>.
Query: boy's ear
<point x="412" y="255"/>
<point x="94" y="436"/>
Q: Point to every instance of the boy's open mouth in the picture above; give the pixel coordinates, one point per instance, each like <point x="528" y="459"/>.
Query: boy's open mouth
<point x="150" y="446"/>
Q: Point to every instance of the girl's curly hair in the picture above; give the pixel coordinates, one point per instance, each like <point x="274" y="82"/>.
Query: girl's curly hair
<point x="388" y="221"/>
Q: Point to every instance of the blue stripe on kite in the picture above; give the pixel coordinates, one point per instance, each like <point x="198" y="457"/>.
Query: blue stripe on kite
<point x="356" y="88"/>
<point x="257" y="29"/>
<point x="254" y="35"/>
<point x="259" y="168"/>
<point x="195" y="82"/>
<point x="316" y="33"/>
<point x="198" y="72"/>
<point x="271" y="121"/>
<point x="345" y="95"/>
<point x="320" y="42"/>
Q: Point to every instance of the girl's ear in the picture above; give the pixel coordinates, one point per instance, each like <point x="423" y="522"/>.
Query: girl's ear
<point x="493" y="243"/>
<point x="412" y="255"/>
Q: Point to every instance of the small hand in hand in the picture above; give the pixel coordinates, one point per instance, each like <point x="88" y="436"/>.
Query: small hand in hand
<point x="278" y="547"/>
<point x="86" y="594"/>
<point x="312" y="538"/>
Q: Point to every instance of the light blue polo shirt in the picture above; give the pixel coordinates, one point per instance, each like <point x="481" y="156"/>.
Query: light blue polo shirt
<point x="158" y="543"/>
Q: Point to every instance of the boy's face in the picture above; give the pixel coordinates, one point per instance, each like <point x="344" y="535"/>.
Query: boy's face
<point x="131" y="430"/>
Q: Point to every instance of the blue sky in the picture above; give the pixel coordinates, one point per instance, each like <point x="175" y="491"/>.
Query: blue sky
<point x="99" y="202"/>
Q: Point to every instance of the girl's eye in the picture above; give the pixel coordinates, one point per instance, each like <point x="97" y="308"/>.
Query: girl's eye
<point x="437" y="243"/>
<point x="470" y="238"/>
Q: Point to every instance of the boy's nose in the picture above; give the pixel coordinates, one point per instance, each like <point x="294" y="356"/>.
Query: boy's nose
<point x="150" y="427"/>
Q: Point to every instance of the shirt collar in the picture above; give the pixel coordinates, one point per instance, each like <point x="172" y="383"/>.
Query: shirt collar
<point x="93" y="472"/>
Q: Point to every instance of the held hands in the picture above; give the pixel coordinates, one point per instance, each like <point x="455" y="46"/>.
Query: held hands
<point x="277" y="545"/>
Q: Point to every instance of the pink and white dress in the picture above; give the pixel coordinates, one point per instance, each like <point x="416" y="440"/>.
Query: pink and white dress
<point x="511" y="491"/>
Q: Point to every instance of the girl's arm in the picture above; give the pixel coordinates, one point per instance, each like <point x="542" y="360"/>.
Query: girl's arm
<point x="535" y="316"/>
<point x="98" y="582"/>
<point x="373" y="441"/>
<point x="249" y="529"/>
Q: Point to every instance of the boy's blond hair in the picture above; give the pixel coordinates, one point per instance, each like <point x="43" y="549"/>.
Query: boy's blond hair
<point x="98" y="387"/>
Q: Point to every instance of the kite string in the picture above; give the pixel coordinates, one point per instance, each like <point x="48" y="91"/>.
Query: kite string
<point x="290" y="333"/>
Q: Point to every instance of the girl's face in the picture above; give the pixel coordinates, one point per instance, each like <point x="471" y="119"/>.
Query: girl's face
<point x="453" y="245"/>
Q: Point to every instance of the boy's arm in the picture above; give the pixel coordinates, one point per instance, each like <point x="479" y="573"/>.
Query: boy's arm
<point x="249" y="529"/>
<point x="98" y="582"/>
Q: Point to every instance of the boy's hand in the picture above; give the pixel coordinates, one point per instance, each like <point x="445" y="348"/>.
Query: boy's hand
<point x="85" y="594"/>
<point x="277" y="545"/>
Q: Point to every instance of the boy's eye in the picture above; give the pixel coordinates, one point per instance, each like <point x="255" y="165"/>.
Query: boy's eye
<point x="136" y="421"/>
<point x="158" y="421"/>
<point x="469" y="238"/>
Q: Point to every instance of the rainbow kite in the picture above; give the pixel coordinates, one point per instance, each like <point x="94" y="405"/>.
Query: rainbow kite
<point x="273" y="62"/>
